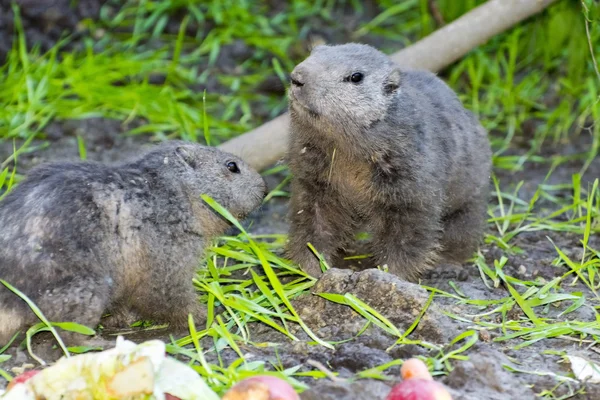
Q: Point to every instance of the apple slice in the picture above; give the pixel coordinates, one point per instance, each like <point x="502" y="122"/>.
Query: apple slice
<point x="417" y="384"/>
<point x="261" y="387"/>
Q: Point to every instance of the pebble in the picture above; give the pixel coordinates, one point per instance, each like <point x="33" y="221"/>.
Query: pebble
<point x="485" y="336"/>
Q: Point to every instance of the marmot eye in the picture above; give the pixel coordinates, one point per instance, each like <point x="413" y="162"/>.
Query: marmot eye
<point x="232" y="166"/>
<point x="356" y="77"/>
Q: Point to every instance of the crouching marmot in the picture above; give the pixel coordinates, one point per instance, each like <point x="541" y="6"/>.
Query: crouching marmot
<point x="82" y="238"/>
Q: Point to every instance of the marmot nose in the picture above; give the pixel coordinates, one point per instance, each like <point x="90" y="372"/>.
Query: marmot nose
<point x="297" y="79"/>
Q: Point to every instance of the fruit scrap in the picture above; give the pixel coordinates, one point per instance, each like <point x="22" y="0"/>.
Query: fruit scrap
<point x="417" y="384"/>
<point x="262" y="387"/>
<point x="24" y="377"/>
<point x="130" y="370"/>
<point x="415" y="369"/>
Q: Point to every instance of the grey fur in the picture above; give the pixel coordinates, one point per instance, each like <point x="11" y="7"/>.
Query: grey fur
<point x="81" y="238"/>
<point x="396" y="151"/>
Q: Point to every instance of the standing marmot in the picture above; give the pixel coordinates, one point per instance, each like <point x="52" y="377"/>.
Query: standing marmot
<point x="82" y="238"/>
<point x="393" y="149"/>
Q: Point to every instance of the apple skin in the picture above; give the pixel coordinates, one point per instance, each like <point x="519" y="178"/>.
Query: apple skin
<point x="419" y="389"/>
<point x="261" y="387"/>
<point x="414" y="368"/>
<point x="25" y="376"/>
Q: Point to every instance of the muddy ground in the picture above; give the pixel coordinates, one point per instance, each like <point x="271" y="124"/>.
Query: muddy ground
<point x="483" y="376"/>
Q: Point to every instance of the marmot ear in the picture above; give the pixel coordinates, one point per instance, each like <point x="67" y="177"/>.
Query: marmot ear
<point x="392" y="83"/>
<point x="186" y="156"/>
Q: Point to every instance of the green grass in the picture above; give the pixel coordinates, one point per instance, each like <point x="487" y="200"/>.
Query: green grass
<point x="534" y="87"/>
<point x="550" y="87"/>
<point x="38" y="88"/>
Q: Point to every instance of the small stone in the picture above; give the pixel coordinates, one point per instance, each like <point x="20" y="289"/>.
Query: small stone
<point x="99" y="33"/>
<point x="341" y="390"/>
<point x="485" y="336"/>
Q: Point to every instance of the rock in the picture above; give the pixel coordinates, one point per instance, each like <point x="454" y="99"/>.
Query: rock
<point x="398" y="300"/>
<point x="360" y="390"/>
<point x="483" y="377"/>
<point x="357" y="357"/>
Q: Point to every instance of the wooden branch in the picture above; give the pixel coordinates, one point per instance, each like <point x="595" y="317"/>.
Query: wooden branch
<point x="267" y="144"/>
<point x="453" y="41"/>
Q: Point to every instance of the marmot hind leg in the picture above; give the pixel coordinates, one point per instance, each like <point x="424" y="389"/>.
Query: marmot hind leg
<point x="408" y="242"/>
<point x="120" y="317"/>
<point x="79" y="300"/>
<point x="463" y="231"/>
<point x="172" y="304"/>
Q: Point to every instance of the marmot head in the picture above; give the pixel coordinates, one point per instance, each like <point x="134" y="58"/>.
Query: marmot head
<point x="199" y="170"/>
<point x="346" y="86"/>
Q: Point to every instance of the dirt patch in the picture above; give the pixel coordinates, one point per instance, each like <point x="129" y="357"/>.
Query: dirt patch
<point x="104" y="141"/>
<point x="327" y="390"/>
<point x="484" y="373"/>
<point x="45" y="21"/>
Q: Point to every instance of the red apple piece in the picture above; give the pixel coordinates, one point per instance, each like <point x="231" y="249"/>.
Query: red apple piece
<point x="417" y="384"/>
<point x="25" y="376"/>
<point x="262" y="387"/>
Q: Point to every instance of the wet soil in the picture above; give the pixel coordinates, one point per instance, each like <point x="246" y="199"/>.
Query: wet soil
<point x="45" y="22"/>
<point x="483" y="376"/>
